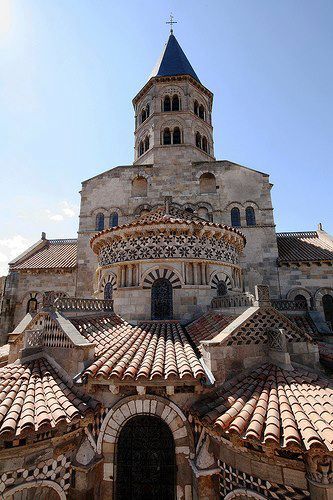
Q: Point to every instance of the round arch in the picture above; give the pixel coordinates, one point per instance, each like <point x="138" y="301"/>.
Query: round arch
<point x="300" y="291"/>
<point x="318" y="297"/>
<point x="220" y="276"/>
<point x="158" y="272"/>
<point x="35" y="484"/>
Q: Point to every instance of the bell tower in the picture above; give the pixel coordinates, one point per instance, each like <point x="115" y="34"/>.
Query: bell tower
<point x="173" y="123"/>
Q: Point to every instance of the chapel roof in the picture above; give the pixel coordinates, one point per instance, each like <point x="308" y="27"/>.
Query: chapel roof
<point x="272" y="405"/>
<point x="48" y="254"/>
<point x="36" y="397"/>
<point x="306" y="246"/>
<point x="173" y="61"/>
<point x="152" y="350"/>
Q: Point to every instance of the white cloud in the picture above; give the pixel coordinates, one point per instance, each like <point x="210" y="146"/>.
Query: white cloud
<point x="11" y="248"/>
<point x="64" y="210"/>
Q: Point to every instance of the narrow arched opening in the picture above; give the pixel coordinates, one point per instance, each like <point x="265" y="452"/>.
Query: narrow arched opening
<point x="327" y="302"/>
<point x="175" y="103"/>
<point x="176" y="137"/>
<point x="145" y="460"/>
<point x="166" y="136"/>
<point x="235" y="217"/>
<point x="108" y="291"/>
<point x="114" y="219"/>
<point x="250" y="216"/>
<point x="201" y="112"/>
<point x="161" y="299"/>
<point x="205" y="144"/>
<point x="196" y="108"/>
<point x="100" y="221"/>
<point x="167" y="104"/>
<point x="198" y="140"/>
<point x="146" y="143"/>
<point x="32" y="305"/>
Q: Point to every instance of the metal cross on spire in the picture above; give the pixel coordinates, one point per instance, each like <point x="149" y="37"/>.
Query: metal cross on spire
<point x="171" y="22"/>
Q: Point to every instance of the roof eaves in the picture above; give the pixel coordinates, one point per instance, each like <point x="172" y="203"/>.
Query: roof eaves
<point x="30" y="251"/>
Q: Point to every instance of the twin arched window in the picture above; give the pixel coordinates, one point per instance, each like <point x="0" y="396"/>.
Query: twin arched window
<point x="143" y="146"/>
<point x="201" y="142"/>
<point x="145" y="112"/>
<point x="199" y="110"/>
<point x="100" y="221"/>
<point x="250" y="217"/>
<point x="171" y="104"/>
<point x="172" y="137"/>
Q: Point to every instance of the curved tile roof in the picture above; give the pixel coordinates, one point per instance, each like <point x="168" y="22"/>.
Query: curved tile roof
<point x="303" y="247"/>
<point x="34" y="397"/>
<point x="152" y="350"/>
<point x="173" y="61"/>
<point x="271" y="405"/>
<point x="54" y="254"/>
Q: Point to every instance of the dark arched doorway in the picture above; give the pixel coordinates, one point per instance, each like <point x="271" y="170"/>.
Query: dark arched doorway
<point x="328" y="308"/>
<point x="145" y="460"/>
<point x="161" y="299"/>
<point x="301" y="301"/>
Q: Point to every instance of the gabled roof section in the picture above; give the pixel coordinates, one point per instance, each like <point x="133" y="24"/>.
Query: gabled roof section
<point x="270" y="405"/>
<point x="305" y="246"/>
<point x="48" y="254"/>
<point x="252" y="326"/>
<point x="173" y="61"/>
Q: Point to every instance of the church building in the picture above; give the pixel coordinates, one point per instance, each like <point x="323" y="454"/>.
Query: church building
<point x="178" y="348"/>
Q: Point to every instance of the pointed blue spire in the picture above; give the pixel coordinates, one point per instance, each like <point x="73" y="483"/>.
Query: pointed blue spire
<point x="173" y="61"/>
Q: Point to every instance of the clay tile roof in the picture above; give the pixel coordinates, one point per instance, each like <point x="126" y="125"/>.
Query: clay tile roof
<point x="34" y="397"/>
<point x="304" y="323"/>
<point x="102" y="331"/>
<point x="303" y="247"/>
<point x="54" y="254"/>
<point x="208" y="326"/>
<point x="152" y="350"/>
<point x="271" y="405"/>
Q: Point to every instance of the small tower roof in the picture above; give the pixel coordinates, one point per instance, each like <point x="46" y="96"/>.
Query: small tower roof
<point x="173" y="61"/>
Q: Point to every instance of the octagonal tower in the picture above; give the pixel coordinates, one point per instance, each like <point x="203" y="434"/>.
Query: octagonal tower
<point x="173" y="122"/>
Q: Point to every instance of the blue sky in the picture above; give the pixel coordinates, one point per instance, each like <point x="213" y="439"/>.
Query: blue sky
<point x="69" y="70"/>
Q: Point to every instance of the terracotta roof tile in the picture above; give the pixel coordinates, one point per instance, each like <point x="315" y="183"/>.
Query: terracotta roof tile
<point x="152" y="350"/>
<point x="208" y="326"/>
<point x="34" y="397"/>
<point x="303" y="247"/>
<point x="55" y="254"/>
<point x="304" y="323"/>
<point x="273" y="405"/>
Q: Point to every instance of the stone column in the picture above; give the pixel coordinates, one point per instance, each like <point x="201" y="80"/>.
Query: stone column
<point x="123" y="276"/>
<point x="130" y="275"/>
<point x="195" y="273"/>
<point x="203" y="273"/>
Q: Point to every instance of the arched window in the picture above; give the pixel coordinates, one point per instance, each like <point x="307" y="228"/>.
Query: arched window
<point x="141" y="148"/>
<point x="203" y="213"/>
<point x="146" y="459"/>
<point x="161" y="299"/>
<point x="139" y="186"/>
<point x="147" y="110"/>
<point x="32" y="305"/>
<point x="205" y="144"/>
<point x="167" y="104"/>
<point x="201" y="112"/>
<point x="198" y="140"/>
<point x="250" y="216"/>
<point x="175" y="103"/>
<point x="207" y="183"/>
<point x="301" y="301"/>
<point x="114" y="219"/>
<point x="108" y="291"/>
<point x="196" y="107"/>
<point x="166" y="136"/>
<point x="189" y="209"/>
<point x="99" y="222"/>
<point x="235" y="217"/>
<point x="328" y="308"/>
<point x="221" y="288"/>
<point x="143" y="115"/>
<point x="146" y="143"/>
<point x="176" y="137"/>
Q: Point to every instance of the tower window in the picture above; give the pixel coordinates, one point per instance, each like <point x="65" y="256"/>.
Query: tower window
<point x="32" y="305"/>
<point x="99" y="221"/>
<point x="147" y="110"/>
<point x="198" y="140"/>
<point x="146" y="143"/>
<point x="205" y="144"/>
<point x="201" y="112"/>
<point x="141" y="148"/>
<point x="196" y="108"/>
<point x="143" y="115"/>
<point x="114" y="219"/>
<point x="175" y="103"/>
<point x="235" y="217"/>
<point x="166" y="136"/>
<point x="250" y="216"/>
<point x="207" y="183"/>
<point x="167" y="104"/>
<point x="176" y="136"/>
